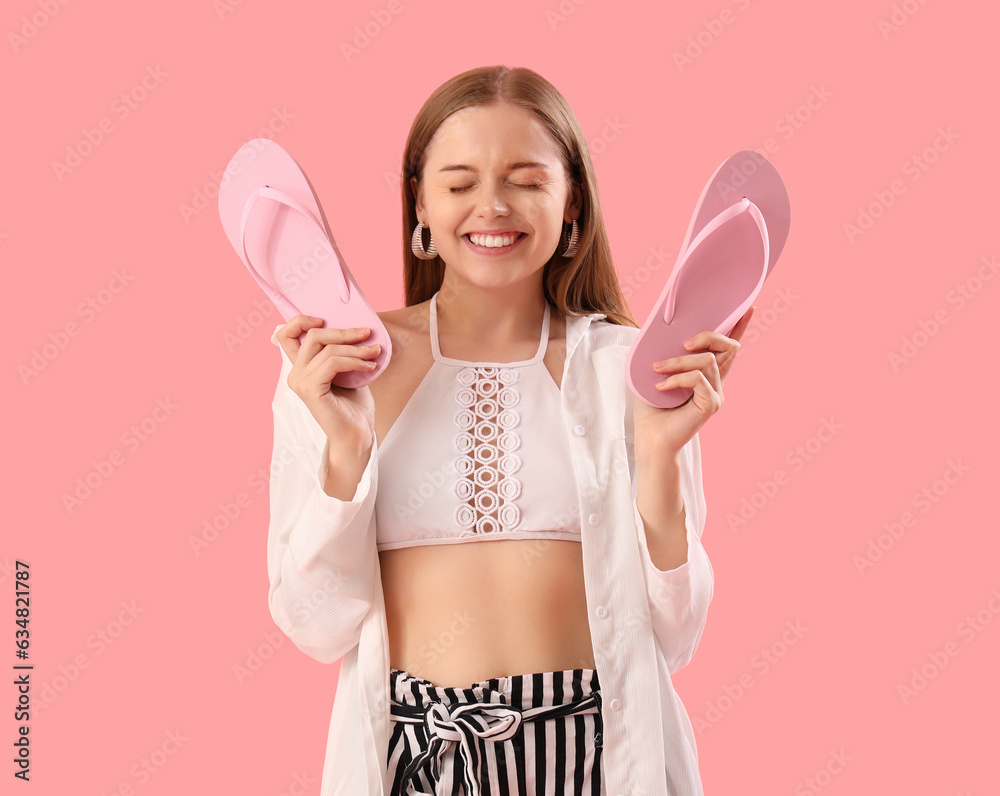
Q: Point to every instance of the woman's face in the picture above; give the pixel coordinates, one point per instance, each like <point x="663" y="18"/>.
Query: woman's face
<point x="494" y="171"/>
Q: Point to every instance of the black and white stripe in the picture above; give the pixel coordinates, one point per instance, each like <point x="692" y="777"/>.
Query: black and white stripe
<point x="535" y="735"/>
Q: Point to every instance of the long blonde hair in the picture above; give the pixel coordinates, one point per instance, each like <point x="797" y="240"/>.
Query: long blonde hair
<point x="585" y="283"/>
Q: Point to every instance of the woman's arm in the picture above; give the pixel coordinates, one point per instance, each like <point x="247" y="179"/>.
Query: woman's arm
<point x="669" y="504"/>
<point x="661" y="508"/>
<point x="670" y="508"/>
<point x="321" y="555"/>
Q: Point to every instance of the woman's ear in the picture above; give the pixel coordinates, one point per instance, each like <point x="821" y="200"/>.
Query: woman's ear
<point x="574" y="201"/>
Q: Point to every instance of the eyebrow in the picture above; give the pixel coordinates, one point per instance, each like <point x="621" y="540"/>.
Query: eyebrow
<point x="521" y="164"/>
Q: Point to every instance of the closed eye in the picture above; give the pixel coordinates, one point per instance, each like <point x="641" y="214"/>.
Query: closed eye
<point x="519" y="185"/>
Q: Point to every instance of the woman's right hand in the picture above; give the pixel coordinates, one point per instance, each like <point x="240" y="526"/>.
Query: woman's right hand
<point x="346" y="415"/>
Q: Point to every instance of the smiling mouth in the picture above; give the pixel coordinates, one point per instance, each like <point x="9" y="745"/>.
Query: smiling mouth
<point x="511" y="245"/>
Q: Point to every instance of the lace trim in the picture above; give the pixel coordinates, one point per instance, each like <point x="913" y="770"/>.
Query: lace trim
<point x="485" y="444"/>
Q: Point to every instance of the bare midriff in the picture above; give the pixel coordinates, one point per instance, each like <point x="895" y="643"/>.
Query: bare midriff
<point x="468" y="611"/>
<point x="460" y="613"/>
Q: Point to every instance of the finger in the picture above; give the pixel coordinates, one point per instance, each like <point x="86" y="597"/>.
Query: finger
<point x="718" y="342"/>
<point x="318" y="372"/>
<point x="704" y="398"/>
<point x="684" y="362"/>
<point x="726" y="361"/>
<point x="288" y="335"/>
<point x="706" y="362"/>
<point x="325" y="367"/>
<point x="723" y="348"/>
<point x="343" y="357"/>
<point x="714" y="342"/>
<point x="316" y="339"/>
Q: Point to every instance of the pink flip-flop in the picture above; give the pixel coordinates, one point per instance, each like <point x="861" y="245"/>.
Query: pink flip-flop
<point x="733" y="241"/>
<point x="273" y="218"/>
<point x="748" y="175"/>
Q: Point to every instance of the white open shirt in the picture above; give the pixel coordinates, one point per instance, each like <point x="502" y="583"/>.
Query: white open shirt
<point x="326" y="589"/>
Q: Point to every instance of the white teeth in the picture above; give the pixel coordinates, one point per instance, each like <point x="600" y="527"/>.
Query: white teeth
<point x="493" y="241"/>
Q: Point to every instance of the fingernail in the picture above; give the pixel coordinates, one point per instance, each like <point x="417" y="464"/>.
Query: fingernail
<point x="689" y="343"/>
<point x="360" y="329"/>
<point x="314" y="318"/>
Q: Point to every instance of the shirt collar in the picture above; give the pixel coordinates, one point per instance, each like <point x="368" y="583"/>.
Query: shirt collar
<point x="576" y="328"/>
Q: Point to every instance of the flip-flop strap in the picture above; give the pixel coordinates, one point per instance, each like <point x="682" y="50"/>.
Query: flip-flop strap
<point x="267" y="192"/>
<point x="744" y="205"/>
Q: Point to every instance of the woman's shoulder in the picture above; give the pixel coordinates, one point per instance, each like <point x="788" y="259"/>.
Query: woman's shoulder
<point x="408" y="325"/>
<point x="406" y="317"/>
<point x="603" y="332"/>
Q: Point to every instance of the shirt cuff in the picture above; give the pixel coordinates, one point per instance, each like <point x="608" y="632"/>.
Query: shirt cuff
<point x="678" y="597"/>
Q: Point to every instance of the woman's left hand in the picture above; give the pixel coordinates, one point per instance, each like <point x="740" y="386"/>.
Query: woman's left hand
<point x="663" y="432"/>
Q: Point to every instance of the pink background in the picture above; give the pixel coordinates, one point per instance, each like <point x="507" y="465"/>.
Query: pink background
<point x="914" y="103"/>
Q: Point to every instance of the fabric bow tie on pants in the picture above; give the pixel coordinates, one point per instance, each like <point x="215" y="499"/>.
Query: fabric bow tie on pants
<point x="460" y="728"/>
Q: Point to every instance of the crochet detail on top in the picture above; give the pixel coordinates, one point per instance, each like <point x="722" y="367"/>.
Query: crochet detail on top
<point x="486" y="443"/>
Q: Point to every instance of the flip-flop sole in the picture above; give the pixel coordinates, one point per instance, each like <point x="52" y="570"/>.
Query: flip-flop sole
<point x="294" y="261"/>
<point x="749" y="175"/>
<point x="710" y="288"/>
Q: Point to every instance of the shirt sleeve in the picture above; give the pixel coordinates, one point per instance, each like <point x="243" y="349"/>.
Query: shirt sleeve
<point x="321" y="555"/>
<point x="679" y="597"/>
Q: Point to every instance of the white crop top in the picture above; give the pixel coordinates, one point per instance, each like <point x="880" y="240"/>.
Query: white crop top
<point x="478" y="453"/>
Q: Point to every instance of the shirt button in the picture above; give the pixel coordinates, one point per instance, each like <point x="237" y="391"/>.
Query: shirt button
<point x="594" y="519"/>
<point x="579" y="430"/>
<point x="615" y="704"/>
<point x="601" y="611"/>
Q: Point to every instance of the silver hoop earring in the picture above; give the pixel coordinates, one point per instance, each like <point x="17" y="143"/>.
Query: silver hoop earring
<point x="570" y="244"/>
<point x="417" y="243"/>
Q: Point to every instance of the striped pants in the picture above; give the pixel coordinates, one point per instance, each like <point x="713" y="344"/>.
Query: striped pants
<point x="522" y="735"/>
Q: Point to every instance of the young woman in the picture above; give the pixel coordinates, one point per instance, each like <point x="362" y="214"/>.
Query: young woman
<point x="496" y="519"/>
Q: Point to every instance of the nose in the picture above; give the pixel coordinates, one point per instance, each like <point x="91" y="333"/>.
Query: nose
<point x="493" y="201"/>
